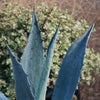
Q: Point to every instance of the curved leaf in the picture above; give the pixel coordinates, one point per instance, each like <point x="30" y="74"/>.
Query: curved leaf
<point x="33" y="57"/>
<point x="70" y="70"/>
<point x="23" y="91"/>
<point x="2" y="96"/>
<point x="46" y="69"/>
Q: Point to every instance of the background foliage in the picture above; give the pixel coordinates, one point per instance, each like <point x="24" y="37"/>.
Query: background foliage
<point x="15" y="24"/>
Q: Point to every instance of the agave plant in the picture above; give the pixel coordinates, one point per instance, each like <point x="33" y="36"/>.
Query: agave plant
<point x="32" y="72"/>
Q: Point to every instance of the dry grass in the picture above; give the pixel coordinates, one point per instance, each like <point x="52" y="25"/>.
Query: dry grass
<point x="88" y="9"/>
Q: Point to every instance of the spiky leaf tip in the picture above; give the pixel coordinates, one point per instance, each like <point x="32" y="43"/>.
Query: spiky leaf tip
<point x="32" y="59"/>
<point x="23" y="91"/>
<point x="46" y="69"/>
<point x="70" y="70"/>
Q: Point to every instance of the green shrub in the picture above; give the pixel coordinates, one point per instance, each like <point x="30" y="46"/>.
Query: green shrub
<point x="15" y="24"/>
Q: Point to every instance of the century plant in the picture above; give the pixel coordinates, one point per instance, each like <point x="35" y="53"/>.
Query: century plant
<point x="32" y="72"/>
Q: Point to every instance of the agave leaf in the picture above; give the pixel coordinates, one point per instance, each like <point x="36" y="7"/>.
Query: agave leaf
<point x="46" y="69"/>
<point x="70" y="70"/>
<point x="23" y="91"/>
<point x="2" y="96"/>
<point x="33" y="57"/>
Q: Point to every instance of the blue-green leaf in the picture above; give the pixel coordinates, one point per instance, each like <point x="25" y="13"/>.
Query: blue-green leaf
<point x="23" y="91"/>
<point x="33" y="57"/>
<point x="2" y="96"/>
<point x="46" y="69"/>
<point x="70" y="70"/>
